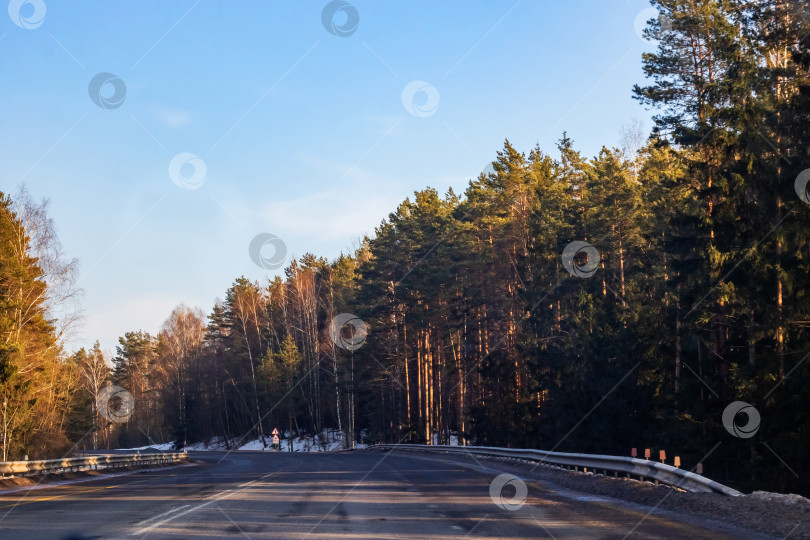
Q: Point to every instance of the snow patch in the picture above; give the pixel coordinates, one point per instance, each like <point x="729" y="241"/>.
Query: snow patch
<point x="453" y="439"/>
<point x="164" y="447"/>
<point x="328" y="440"/>
<point x="216" y="443"/>
<point x="790" y="498"/>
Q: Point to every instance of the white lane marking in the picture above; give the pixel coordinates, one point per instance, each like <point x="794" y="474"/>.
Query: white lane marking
<point x="210" y="500"/>
<point x="157" y="524"/>
<point x="163" y="514"/>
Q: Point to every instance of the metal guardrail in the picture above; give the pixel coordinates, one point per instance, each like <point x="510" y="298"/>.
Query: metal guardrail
<point x="106" y="461"/>
<point x="632" y="467"/>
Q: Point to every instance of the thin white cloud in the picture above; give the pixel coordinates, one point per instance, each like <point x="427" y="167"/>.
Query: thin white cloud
<point x="109" y="322"/>
<point x="338" y="216"/>
<point x="174" y="118"/>
<point x="387" y="125"/>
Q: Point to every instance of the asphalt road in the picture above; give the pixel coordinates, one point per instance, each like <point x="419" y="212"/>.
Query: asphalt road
<point x="341" y="495"/>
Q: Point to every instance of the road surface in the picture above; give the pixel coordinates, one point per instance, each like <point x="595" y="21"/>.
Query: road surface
<point x="359" y="494"/>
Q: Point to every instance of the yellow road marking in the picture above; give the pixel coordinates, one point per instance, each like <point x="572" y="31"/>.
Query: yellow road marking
<point x="52" y="497"/>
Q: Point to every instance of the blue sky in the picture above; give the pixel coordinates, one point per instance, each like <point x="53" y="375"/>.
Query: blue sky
<point x="303" y="133"/>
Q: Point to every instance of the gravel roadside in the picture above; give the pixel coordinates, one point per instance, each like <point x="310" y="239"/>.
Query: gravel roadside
<point x="781" y="516"/>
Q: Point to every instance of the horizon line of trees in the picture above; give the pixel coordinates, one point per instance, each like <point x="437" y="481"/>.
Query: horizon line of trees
<point x="560" y="302"/>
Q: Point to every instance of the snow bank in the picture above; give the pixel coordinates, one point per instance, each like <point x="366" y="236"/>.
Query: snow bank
<point x="329" y="440"/>
<point x="453" y="439"/>
<point x="164" y="447"/>
<point x="789" y="498"/>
